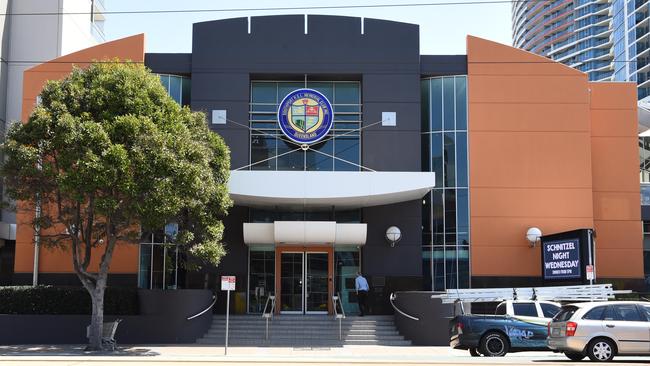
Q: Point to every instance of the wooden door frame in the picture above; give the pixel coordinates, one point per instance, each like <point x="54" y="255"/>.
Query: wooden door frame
<point x="305" y="249"/>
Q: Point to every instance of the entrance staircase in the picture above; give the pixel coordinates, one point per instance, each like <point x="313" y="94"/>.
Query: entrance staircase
<point x="304" y="331"/>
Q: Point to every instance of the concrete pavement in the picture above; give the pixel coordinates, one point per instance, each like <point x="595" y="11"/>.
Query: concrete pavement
<point x="177" y="355"/>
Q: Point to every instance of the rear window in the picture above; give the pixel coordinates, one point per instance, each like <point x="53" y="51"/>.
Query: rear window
<point x="525" y="308"/>
<point x="549" y="310"/>
<point x="566" y="312"/>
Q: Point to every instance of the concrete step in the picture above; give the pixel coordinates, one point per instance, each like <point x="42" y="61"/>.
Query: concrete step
<point x="308" y="343"/>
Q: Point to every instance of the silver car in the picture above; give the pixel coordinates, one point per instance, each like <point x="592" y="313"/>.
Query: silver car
<point x="601" y="330"/>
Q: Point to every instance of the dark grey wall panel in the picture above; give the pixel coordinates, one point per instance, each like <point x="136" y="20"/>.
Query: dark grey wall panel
<point x="404" y="259"/>
<point x="432" y="327"/>
<point x="169" y="63"/>
<point x="164" y="320"/>
<point x="388" y="150"/>
<point x="440" y="65"/>
<point x="221" y="87"/>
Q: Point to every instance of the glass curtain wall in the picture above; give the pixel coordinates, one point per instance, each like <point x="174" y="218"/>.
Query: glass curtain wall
<point x="445" y="216"/>
<point x="268" y="144"/>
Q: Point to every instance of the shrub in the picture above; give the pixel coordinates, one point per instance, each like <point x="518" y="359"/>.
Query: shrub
<point x="65" y="300"/>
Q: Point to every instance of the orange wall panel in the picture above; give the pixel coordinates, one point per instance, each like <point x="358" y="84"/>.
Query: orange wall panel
<point x="529" y="117"/>
<point x="125" y="258"/>
<point x="527" y="159"/>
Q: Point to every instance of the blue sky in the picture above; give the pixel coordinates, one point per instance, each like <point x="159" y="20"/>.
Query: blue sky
<point x="442" y="28"/>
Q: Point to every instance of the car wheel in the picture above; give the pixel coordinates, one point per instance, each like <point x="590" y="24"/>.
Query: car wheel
<point x="574" y="356"/>
<point x="474" y="352"/>
<point x="494" y="344"/>
<point x="601" y="350"/>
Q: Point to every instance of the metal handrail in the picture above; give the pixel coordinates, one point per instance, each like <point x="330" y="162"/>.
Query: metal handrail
<point x="214" y="300"/>
<point x="393" y="297"/>
<point x="268" y="315"/>
<point x="336" y="301"/>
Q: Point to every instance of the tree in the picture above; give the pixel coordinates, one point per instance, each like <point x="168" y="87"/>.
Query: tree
<point x="108" y="153"/>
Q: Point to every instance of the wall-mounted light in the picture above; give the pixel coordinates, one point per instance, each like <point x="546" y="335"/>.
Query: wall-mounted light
<point x="533" y="234"/>
<point x="393" y="235"/>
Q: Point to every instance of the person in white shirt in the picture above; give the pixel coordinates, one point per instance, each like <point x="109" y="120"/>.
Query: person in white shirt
<point x="361" y="284"/>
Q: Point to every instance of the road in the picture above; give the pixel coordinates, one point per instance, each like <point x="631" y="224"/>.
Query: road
<point x="182" y="355"/>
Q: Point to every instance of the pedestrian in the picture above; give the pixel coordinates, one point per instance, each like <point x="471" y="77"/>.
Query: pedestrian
<point x="361" y="284"/>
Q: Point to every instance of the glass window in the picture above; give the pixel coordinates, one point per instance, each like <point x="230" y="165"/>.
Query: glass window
<point x="263" y="149"/>
<point x="261" y="280"/>
<point x="347" y="93"/>
<point x="461" y="102"/>
<point x="626" y="312"/>
<point x="436" y="104"/>
<point x="346" y="148"/>
<point x="326" y="88"/>
<point x="449" y="104"/>
<point x="595" y="313"/>
<point x="450" y="211"/>
<point x="646" y="311"/>
<point x="449" y="159"/>
<point x="285" y="88"/>
<point x="175" y="88"/>
<point x="437" y="159"/>
<point x="427" y="276"/>
<point x="524" y="308"/>
<point x="549" y="310"/>
<point x="461" y="159"/>
<point x="318" y="161"/>
<point x="145" y="266"/>
<point x="424" y="105"/>
<point x="186" y="91"/>
<point x="291" y="160"/>
<point x="501" y="309"/>
<point x="345" y="270"/>
<point x="264" y="93"/>
<point x="462" y="203"/>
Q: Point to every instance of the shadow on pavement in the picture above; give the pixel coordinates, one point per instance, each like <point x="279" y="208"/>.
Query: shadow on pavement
<point x="71" y="350"/>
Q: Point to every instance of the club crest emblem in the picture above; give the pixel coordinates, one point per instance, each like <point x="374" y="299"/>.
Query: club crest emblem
<point x="305" y="116"/>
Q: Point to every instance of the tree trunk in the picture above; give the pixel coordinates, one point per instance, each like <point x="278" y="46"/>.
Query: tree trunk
<point x="97" y="319"/>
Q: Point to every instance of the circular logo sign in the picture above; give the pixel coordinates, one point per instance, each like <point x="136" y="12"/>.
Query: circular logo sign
<point x="305" y="116"/>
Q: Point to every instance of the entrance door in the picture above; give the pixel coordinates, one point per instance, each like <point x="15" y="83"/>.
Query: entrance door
<point x="316" y="278"/>
<point x="304" y="280"/>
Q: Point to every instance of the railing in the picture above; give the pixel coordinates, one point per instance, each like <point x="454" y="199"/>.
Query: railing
<point x="214" y="300"/>
<point x="392" y="298"/>
<point x="336" y="302"/>
<point x="268" y="313"/>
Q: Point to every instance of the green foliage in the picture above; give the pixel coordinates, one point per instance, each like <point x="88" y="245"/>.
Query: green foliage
<point x="64" y="300"/>
<point x="109" y="152"/>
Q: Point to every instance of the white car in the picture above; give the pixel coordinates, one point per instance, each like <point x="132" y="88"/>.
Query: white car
<point x="601" y="330"/>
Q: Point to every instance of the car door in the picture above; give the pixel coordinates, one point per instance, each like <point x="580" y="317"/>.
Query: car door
<point x="527" y="330"/>
<point x="626" y="324"/>
<point x="645" y="310"/>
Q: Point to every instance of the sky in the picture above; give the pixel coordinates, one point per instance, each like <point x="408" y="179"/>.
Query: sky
<point x="443" y="28"/>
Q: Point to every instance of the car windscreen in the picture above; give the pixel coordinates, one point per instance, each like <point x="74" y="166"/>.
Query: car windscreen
<point x="566" y="312"/>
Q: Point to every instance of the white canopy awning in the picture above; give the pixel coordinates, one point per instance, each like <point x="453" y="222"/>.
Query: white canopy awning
<point x="314" y="189"/>
<point x="305" y="233"/>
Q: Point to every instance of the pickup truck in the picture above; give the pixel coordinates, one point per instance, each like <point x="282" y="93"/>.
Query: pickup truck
<point x="515" y="326"/>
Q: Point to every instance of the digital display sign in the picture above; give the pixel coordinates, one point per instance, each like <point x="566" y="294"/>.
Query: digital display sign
<point x="561" y="259"/>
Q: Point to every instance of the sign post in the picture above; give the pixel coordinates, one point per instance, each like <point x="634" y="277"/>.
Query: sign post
<point x="227" y="284"/>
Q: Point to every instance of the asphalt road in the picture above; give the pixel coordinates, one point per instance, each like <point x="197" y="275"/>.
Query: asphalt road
<point x="349" y="355"/>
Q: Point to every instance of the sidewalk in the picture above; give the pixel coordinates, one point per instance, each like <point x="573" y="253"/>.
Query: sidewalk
<point x="184" y="354"/>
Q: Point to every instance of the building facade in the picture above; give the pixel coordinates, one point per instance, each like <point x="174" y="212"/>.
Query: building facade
<point x="64" y="26"/>
<point x="460" y="153"/>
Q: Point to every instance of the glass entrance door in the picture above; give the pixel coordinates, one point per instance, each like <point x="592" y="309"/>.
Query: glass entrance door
<point x="305" y="281"/>
<point x="316" y="291"/>
<point x="291" y="282"/>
